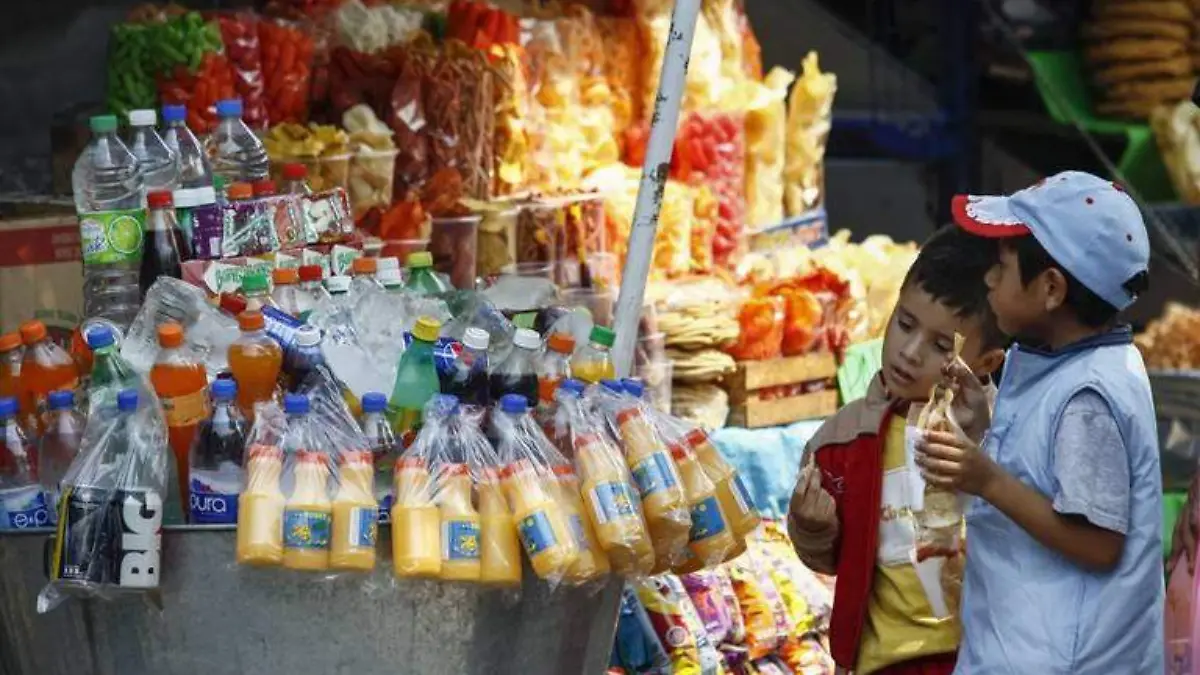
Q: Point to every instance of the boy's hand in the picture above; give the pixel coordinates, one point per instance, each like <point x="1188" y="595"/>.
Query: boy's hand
<point x="812" y="507"/>
<point x="951" y="462"/>
<point x="971" y="407"/>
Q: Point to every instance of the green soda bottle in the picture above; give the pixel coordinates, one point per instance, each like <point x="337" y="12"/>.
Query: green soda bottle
<point x="109" y="369"/>
<point x="416" y="381"/>
<point x="421" y="278"/>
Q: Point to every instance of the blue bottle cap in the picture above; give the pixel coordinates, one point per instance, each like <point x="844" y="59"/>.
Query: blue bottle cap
<point x="374" y="402"/>
<point x="572" y="386"/>
<point x="61" y="399"/>
<point x="100" y="337"/>
<point x="514" y="404"/>
<point x="127" y="400"/>
<point x="634" y="387"/>
<point x="295" y="404"/>
<point x="174" y="113"/>
<point x="8" y="406"/>
<point x="224" y="390"/>
<point x="230" y="107"/>
<point x="614" y="386"/>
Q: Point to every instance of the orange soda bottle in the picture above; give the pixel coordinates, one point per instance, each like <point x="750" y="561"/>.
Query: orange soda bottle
<point x="416" y="522"/>
<point x="355" y="514"/>
<point x="255" y="360"/>
<point x="460" y="526"/>
<point x="46" y="367"/>
<point x="180" y="382"/>
<point x="10" y="365"/>
<point x="501" y="556"/>
<point x="260" y="509"/>
<point x="541" y="523"/>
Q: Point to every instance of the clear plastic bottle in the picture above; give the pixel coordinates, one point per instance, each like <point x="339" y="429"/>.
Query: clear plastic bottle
<point x="256" y="290"/>
<point x="518" y="373"/>
<point x="295" y="179"/>
<point x="384" y="449"/>
<point x="160" y="164"/>
<point x="286" y="295"/>
<point x="45" y="367"/>
<point x="554" y="367"/>
<point x="22" y="504"/>
<point x="422" y="280"/>
<point x="594" y="362"/>
<point x="110" y="199"/>
<point x="235" y="152"/>
<point x="59" y="444"/>
<point x="312" y="292"/>
<point x="217" y="460"/>
<point x="162" y="254"/>
<point x="255" y="360"/>
<point x="363" y="282"/>
<point x="194" y="170"/>
<point x="10" y="364"/>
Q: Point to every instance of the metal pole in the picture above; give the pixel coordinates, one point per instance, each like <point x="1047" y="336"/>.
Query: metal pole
<point x="654" y="181"/>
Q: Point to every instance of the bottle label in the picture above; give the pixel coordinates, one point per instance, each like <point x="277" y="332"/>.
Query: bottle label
<point x="211" y="505"/>
<point x="186" y="410"/>
<point x="109" y="237"/>
<point x="108" y="536"/>
<point x="364" y="527"/>
<point x="612" y="501"/>
<point x="24" y="508"/>
<point x="281" y="326"/>
<point x="307" y="530"/>
<point x="536" y="533"/>
<point x="460" y="540"/>
<point x="654" y="474"/>
<point x="742" y="495"/>
<point x="707" y="520"/>
<point x="577" y="531"/>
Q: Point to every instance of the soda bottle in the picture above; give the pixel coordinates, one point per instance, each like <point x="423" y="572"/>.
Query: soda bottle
<point x="311" y="291"/>
<point x="255" y="361"/>
<point x="234" y="150"/>
<point x="180" y="382"/>
<point x="194" y="171"/>
<point x="735" y="499"/>
<point x="594" y="362"/>
<point x="308" y="511"/>
<point x="658" y="484"/>
<point x="592" y="561"/>
<point x="460" y="525"/>
<point x="363" y="279"/>
<point x="384" y="449"/>
<point x="109" y="368"/>
<point x="422" y="280"/>
<point x="260" y="508"/>
<point x="256" y="290"/>
<point x="710" y="538"/>
<point x="45" y="367"/>
<point x="554" y="367"/>
<point x="295" y="179"/>
<point x="10" y="364"/>
<point x="287" y="290"/>
<point x="159" y="164"/>
<point x="22" y="502"/>
<point x="163" y="250"/>
<point x="110" y="199"/>
<point x="416" y="380"/>
<point x="355" y="514"/>
<point x="59" y="445"/>
<point x="110" y="519"/>
<point x="468" y="379"/>
<point x="216" y="461"/>
<point x="518" y="373"/>
<point x="305" y="355"/>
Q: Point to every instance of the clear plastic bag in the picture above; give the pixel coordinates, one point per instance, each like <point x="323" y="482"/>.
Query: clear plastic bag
<point x="239" y="32"/>
<point x="766" y="143"/>
<point x="287" y="64"/>
<point x="809" y="117"/>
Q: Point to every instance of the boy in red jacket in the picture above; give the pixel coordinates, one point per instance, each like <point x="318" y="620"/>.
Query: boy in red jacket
<point x="850" y="514"/>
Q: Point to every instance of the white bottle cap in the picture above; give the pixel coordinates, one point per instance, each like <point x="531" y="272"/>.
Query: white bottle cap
<point x="186" y="198"/>
<point x="527" y="339"/>
<point x="338" y="284"/>
<point x="389" y="277"/>
<point x="389" y="263"/>
<point x="143" y="118"/>
<point x="476" y="338"/>
<point x="307" y="336"/>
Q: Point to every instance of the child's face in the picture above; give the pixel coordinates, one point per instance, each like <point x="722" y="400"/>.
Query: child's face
<point x="1018" y="306"/>
<point x="919" y="340"/>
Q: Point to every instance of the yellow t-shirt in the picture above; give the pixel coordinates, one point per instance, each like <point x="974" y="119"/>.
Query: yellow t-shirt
<point x="900" y="624"/>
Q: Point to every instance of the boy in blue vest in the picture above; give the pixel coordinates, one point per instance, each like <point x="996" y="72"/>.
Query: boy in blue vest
<point x="1064" y="568"/>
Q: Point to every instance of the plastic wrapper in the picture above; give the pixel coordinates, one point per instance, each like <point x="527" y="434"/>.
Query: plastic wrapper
<point x="812" y="607"/>
<point x="326" y="217"/>
<point x="510" y="146"/>
<point x="735" y="499"/>
<point x="287" y="62"/>
<point x="129" y="84"/>
<point x="762" y="609"/>
<point x="672" y="256"/>
<point x="458" y="98"/>
<point x="207" y="331"/>
<point x="373" y="166"/>
<point x="678" y="627"/>
<point x="704" y="589"/>
<point x="567" y="232"/>
<point x="766" y="143"/>
<point x="761" y="336"/>
<point x="1169" y="342"/>
<point x="239" y="32"/>
<point x="817" y="307"/>
<point x="705" y="214"/>
<point x="373" y="28"/>
<point x="251" y="227"/>
<point x="637" y="648"/>
<point x="705" y="87"/>
<point x="621" y="65"/>
<point x="810" y="113"/>
<point x="406" y="115"/>
<point x="496" y="248"/>
<point x="453" y="243"/>
<point x="875" y="268"/>
<point x="710" y="149"/>
<point x="556" y="139"/>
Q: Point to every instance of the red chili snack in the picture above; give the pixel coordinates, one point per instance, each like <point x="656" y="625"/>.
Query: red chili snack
<point x="239" y="32"/>
<point x="287" y="53"/>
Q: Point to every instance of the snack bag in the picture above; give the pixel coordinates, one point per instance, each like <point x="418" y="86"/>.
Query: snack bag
<point x="704" y="588"/>
<point x="758" y="599"/>
<point x="677" y="626"/>
<point x="814" y="596"/>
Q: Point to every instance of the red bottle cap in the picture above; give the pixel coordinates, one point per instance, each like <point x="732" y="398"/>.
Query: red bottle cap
<point x="627" y="414"/>
<point x="264" y="188"/>
<point x="696" y="437"/>
<point x="252" y="320"/>
<point x="564" y="471"/>
<point x="678" y="452"/>
<point x="311" y="273"/>
<point x="159" y="199"/>
<point x="232" y="303"/>
<point x="33" y="331"/>
<point x="456" y="469"/>
<point x="295" y="172"/>
<point x="170" y="334"/>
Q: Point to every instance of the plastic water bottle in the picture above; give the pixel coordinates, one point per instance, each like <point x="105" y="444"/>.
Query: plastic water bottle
<point x="194" y="171"/>
<point x="22" y="504"/>
<point x="110" y="199"/>
<point x="235" y="152"/>
<point x="160" y="164"/>
<point x="59" y="444"/>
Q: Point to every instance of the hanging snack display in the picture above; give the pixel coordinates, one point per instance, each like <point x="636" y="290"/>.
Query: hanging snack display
<point x="810" y="114"/>
<point x="239" y="32"/>
<point x="287" y="61"/>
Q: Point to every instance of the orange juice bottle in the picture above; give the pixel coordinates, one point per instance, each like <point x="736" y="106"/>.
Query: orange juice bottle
<point x="10" y="365"/>
<point x="709" y="539"/>
<point x="260" y="509"/>
<point x="612" y="507"/>
<point x="46" y="367"/>
<point x="501" y="556"/>
<point x="180" y="382"/>
<point x="308" y="514"/>
<point x="656" y="478"/>
<point x="735" y="500"/>
<point x="541" y="523"/>
<point x="355" y="514"/>
<point x="255" y="360"/>
<point x="416" y="522"/>
<point x="592" y="562"/>
<point x="460" y="526"/>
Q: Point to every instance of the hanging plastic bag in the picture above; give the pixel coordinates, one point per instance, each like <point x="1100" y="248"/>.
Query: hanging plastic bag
<point x="766" y="143"/>
<point x="735" y="499"/>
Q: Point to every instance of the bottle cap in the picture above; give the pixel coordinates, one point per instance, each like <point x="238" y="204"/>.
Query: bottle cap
<point x="678" y="452"/>
<point x="363" y="266"/>
<point x="224" y="390"/>
<point x="263" y="188"/>
<point x="427" y="329"/>
<point x="61" y="399"/>
<point x="420" y="259"/>
<point x="308" y="336"/>
<point x="446" y="404"/>
<point x="572" y="386"/>
<point x="338" y="284"/>
<point x="387" y="263"/>
<point x="295" y="171"/>
<point x="614" y="386"/>
<point x="311" y="273"/>
<point x="174" y="113"/>
<point x="10" y="341"/>
<point x="239" y="191"/>
<point x="389" y="278"/>
<point x="602" y="335"/>
<point x="254" y="282"/>
<point x="561" y="343"/>
<point x="634" y="387"/>
<point x="527" y="339"/>
<point x="696" y="437"/>
<point x="374" y="402"/>
<point x="33" y="331"/>
<point x="295" y="404"/>
<point x="285" y="275"/>
<point x="230" y="107"/>
<point x="476" y="338"/>
<point x="232" y="303"/>
<point x="8" y="406"/>
<point x="251" y="321"/>
<point x="127" y="400"/>
<point x="186" y="198"/>
<point x="515" y="404"/>
<point x="159" y="199"/>
<point x="455" y="469"/>
<point x="103" y="124"/>
<point x="170" y="334"/>
<point x="564" y="471"/>
<point x="145" y="117"/>
<point x="100" y="337"/>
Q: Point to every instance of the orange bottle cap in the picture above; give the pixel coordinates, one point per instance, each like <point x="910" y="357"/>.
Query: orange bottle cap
<point x="252" y="320"/>
<point x="628" y="414"/>
<point x="564" y="471"/>
<point x="240" y="191"/>
<point x="363" y="266"/>
<point x="348" y="457"/>
<point x="561" y="343"/>
<point x="410" y="463"/>
<point x="310" y="457"/>
<point x="10" y="341"/>
<point x="33" y="331"/>
<point x="678" y="452"/>
<point x="456" y="469"/>
<point x="170" y="334"/>
<point x="265" y="451"/>
<point x="584" y="440"/>
<point x="696" y="437"/>
<point x="285" y="275"/>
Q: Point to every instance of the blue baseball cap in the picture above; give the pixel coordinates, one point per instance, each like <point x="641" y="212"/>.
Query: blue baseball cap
<point x="1088" y="225"/>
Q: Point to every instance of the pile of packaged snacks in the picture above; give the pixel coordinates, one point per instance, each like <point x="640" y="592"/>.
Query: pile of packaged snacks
<point x="810" y="111"/>
<point x="373" y="164"/>
<point x="287" y="62"/>
<point x="239" y="32"/>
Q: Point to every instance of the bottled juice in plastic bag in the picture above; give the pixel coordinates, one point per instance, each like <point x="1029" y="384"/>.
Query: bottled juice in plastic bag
<point x="416" y="522"/>
<point x="541" y="524"/>
<point x="500" y="559"/>
<point x="181" y="383"/>
<point x="735" y="499"/>
<point x="709" y="540"/>
<point x="612" y="507"/>
<point x="460" y="526"/>
<point x="657" y="481"/>
<point x="307" y="514"/>
<point x="355" y="514"/>
<point x="46" y="367"/>
<point x="255" y="360"/>
<point x="594" y="362"/>
<point x="260" y="509"/>
<point x="591" y="562"/>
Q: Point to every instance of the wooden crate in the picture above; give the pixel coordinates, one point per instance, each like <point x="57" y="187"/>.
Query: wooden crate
<point x="813" y="374"/>
<point x="756" y="413"/>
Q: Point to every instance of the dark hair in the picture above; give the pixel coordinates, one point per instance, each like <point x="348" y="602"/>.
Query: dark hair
<point x="950" y="267"/>
<point x="1092" y="310"/>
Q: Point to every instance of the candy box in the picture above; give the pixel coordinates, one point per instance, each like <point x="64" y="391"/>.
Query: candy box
<point x="326" y="217"/>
